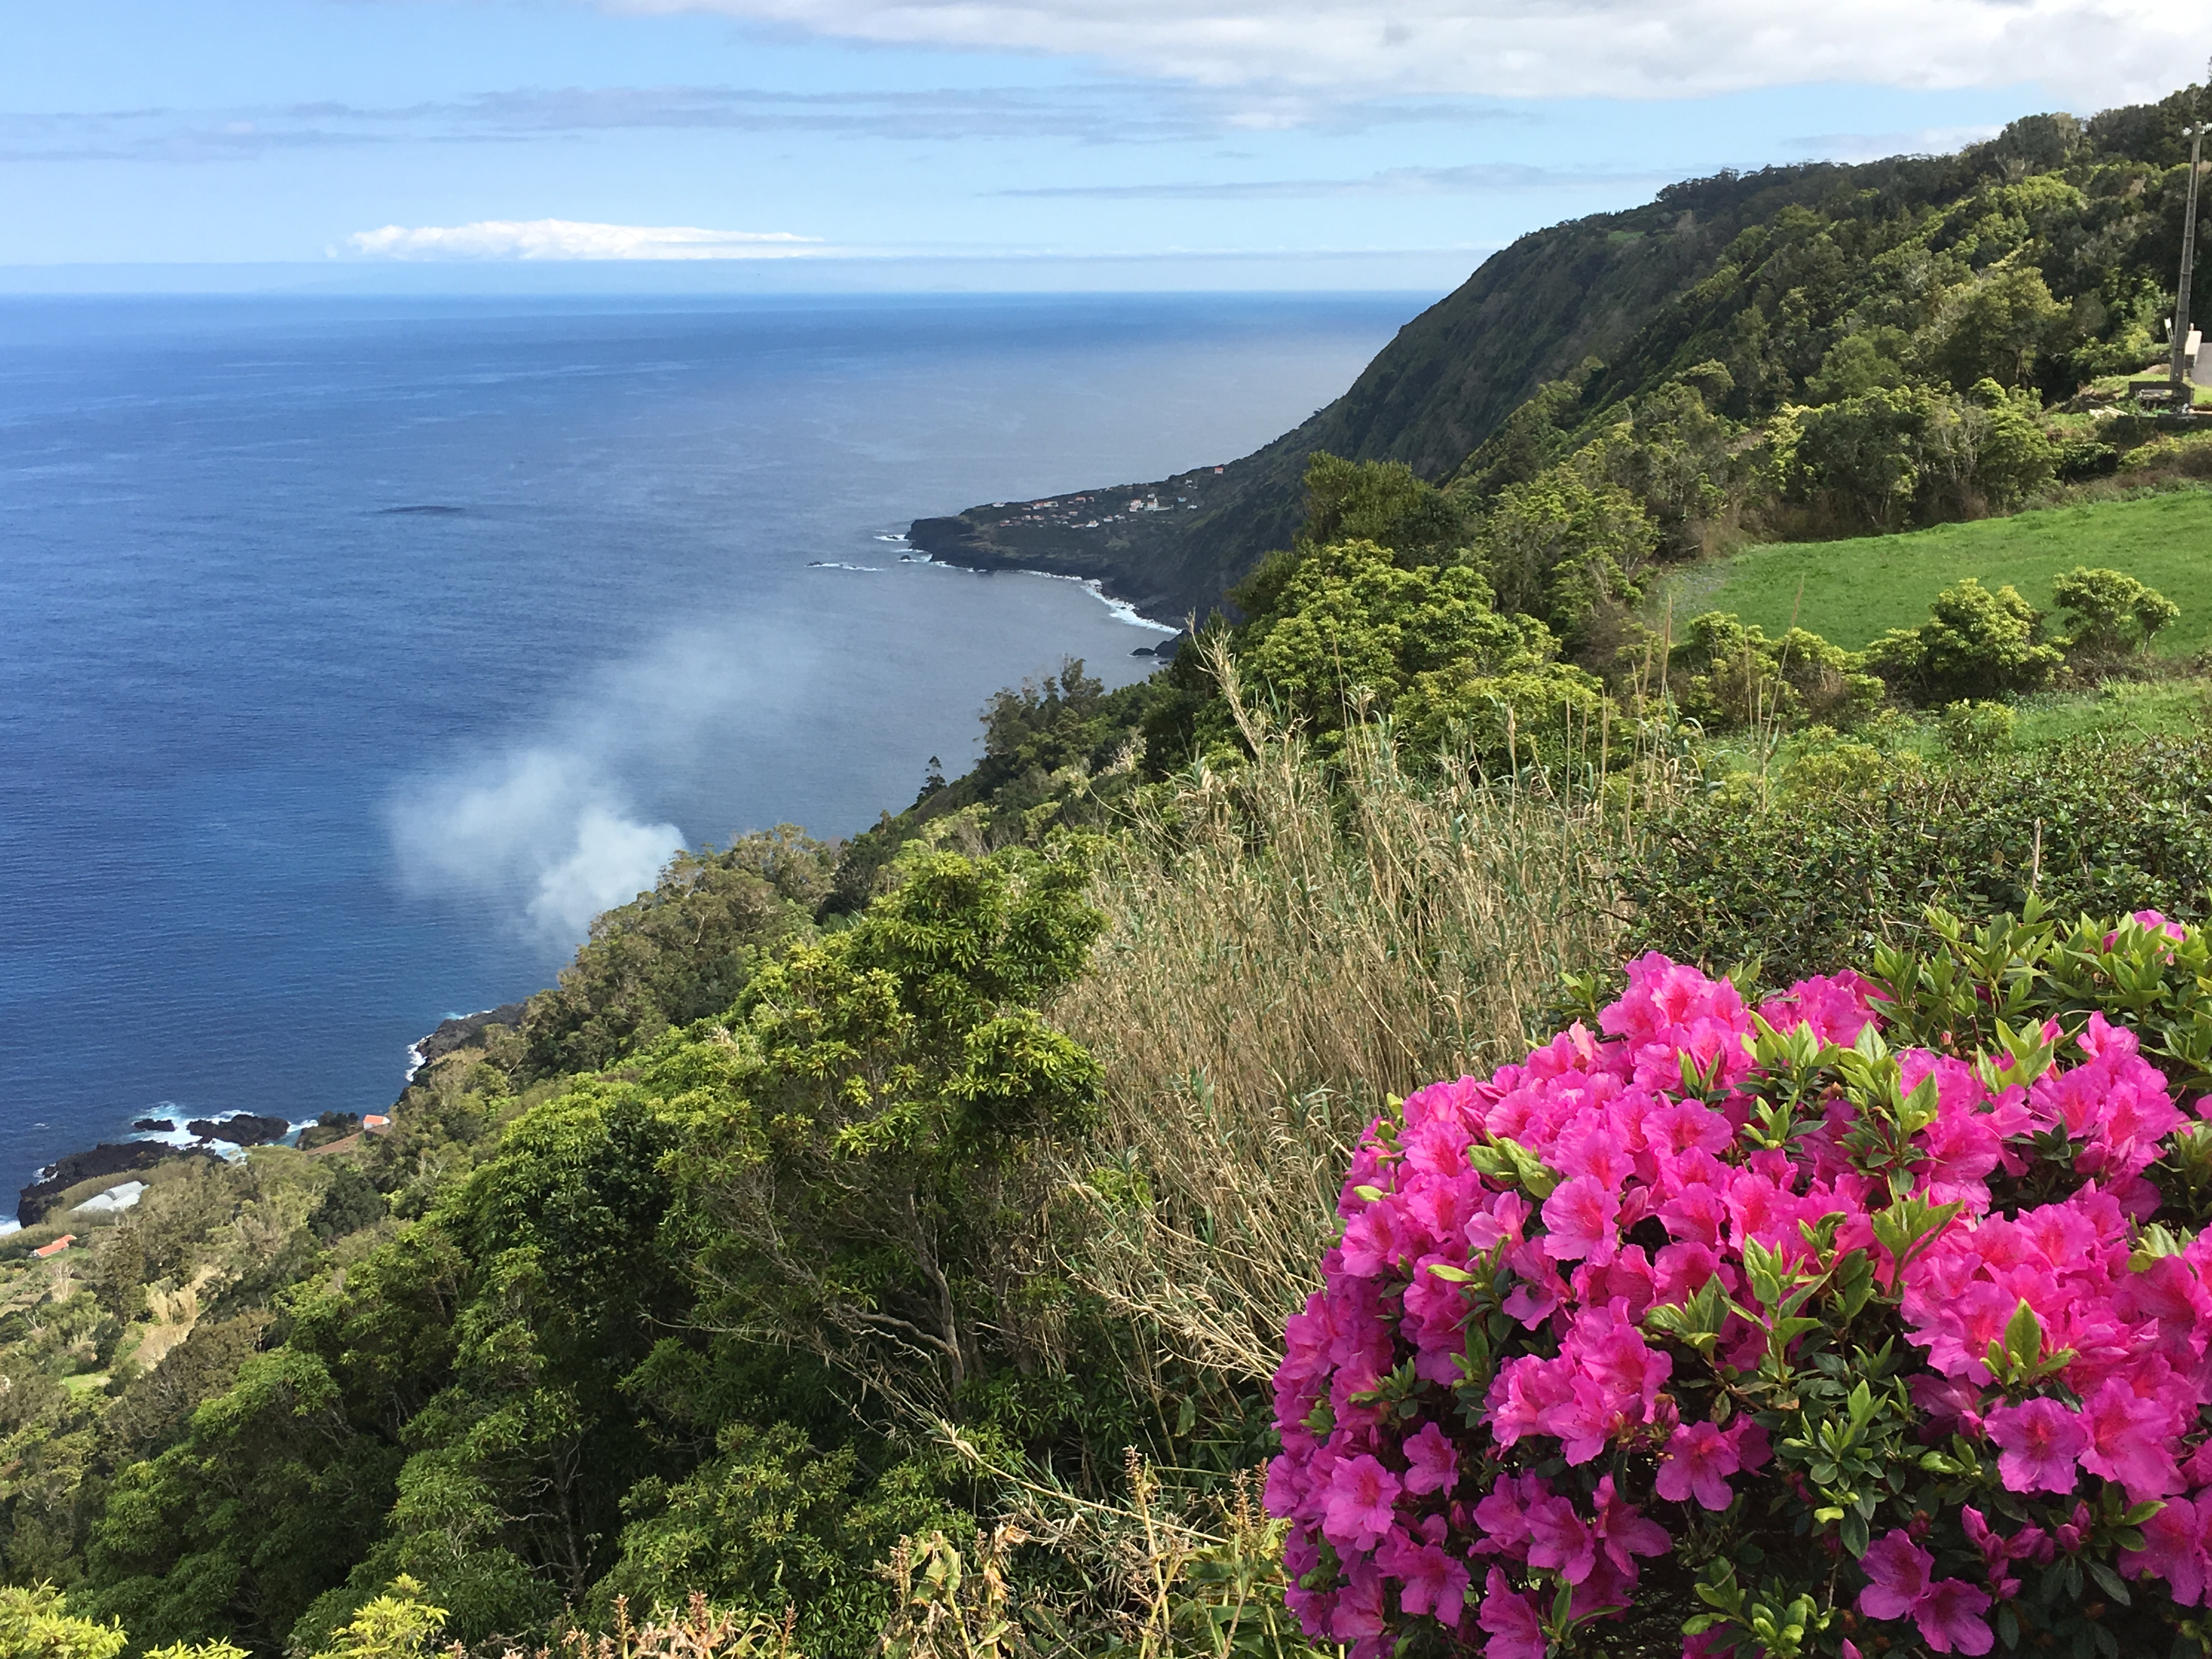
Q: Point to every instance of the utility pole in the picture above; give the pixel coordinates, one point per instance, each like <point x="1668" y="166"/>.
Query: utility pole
<point x="2183" y="396"/>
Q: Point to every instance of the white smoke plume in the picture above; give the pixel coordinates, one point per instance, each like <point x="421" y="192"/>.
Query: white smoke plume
<point x="549" y="829"/>
<point x="537" y="829"/>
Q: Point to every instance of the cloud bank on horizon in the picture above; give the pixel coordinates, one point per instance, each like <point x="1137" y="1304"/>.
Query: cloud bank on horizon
<point x="568" y="239"/>
<point x="2098" y="50"/>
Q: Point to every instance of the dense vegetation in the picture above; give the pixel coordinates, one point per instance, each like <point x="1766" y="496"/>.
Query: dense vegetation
<point x="1883" y="294"/>
<point x="890" y="1241"/>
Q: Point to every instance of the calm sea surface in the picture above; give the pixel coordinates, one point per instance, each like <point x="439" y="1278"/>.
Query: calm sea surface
<point x="354" y="652"/>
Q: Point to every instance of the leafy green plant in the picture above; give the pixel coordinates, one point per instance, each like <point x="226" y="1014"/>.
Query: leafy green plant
<point x="1975" y="730"/>
<point x="36" y="1624"/>
<point x="397" y="1624"/>
<point x="2094" y="824"/>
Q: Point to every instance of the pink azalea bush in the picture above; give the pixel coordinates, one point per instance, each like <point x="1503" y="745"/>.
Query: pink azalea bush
<point x="1870" y="1318"/>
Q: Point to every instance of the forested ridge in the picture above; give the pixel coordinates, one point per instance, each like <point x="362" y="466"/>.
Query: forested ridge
<point x="890" y="1241"/>
<point x="1765" y="273"/>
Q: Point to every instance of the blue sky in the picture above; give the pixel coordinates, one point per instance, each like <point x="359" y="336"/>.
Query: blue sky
<point x="973" y="143"/>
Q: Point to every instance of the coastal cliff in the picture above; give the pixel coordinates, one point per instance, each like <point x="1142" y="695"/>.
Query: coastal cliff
<point x="1621" y="288"/>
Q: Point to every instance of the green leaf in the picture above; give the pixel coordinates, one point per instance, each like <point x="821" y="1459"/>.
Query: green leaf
<point x="2109" y="1581"/>
<point x="1854" y="1533"/>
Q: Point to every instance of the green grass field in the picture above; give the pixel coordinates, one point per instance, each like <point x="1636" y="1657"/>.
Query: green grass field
<point x="1852" y="592"/>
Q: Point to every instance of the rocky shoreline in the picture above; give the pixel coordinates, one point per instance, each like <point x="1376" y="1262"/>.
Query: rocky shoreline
<point x="34" y="1202"/>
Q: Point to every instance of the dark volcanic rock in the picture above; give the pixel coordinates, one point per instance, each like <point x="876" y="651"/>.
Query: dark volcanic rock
<point x="460" y="1033"/>
<point x="246" y="1129"/>
<point x="160" y="1125"/>
<point x="109" y="1157"/>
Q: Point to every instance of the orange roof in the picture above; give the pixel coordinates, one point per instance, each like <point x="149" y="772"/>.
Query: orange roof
<point x="374" y="1121"/>
<point x="56" y="1248"/>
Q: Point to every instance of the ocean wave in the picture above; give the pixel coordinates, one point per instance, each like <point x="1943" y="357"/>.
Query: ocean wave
<point x="835" y="565"/>
<point x="1123" y="610"/>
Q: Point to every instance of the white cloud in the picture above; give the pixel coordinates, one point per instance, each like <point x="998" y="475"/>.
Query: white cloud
<point x="568" y="239"/>
<point x="1474" y="180"/>
<point x="2088" y="52"/>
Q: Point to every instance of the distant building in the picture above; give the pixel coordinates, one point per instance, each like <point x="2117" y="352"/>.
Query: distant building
<point x="56" y="1248"/>
<point x="376" y="1123"/>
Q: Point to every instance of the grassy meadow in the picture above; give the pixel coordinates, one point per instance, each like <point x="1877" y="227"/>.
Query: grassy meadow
<point x="1853" y="592"/>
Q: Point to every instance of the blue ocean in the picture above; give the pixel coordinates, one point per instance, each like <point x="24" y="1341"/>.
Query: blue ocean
<point x="356" y="651"/>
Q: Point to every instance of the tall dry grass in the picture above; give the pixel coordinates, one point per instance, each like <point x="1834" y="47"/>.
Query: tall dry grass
<point x="1286" y="946"/>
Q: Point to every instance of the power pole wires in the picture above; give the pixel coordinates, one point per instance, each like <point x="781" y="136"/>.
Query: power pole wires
<point x="2181" y="363"/>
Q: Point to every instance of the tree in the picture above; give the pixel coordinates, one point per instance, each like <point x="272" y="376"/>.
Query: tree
<point x="1380" y="501"/>
<point x="1352" y="622"/>
<point x="863" y="1117"/>
<point x="2114" y="613"/>
<point x="2014" y="457"/>
<point x="1563" y="546"/>
<point x="1994" y="327"/>
<point x="678" y="953"/>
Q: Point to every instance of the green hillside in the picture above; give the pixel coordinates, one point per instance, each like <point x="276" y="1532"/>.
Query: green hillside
<point x="2038" y="260"/>
<point x="1852" y="592"/>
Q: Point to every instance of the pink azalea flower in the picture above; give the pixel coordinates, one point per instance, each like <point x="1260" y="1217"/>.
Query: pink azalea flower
<point x="1697" y="1461"/>
<point x="1432" y="1583"/>
<point x="2174" y="1551"/>
<point x="2151" y="922"/>
<point x="1897" y="1572"/>
<point x="1362" y="1505"/>
<point x="1624" y="1533"/>
<point x="1947" y="1611"/>
<point x="1578" y="1219"/>
<point x="1431" y="1461"/>
<point x="1359" y="1617"/>
<point x="2041" y="1444"/>
<point x="1950" y="1618"/>
<point x="2128" y="1441"/>
<point x="1503" y="1516"/>
<point x="1510" y="1619"/>
<point x="1376" y="1238"/>
<point x="1559" y="1539"/>
<point x="1697" y="1214"/>
<point x="1378" y="1496"/>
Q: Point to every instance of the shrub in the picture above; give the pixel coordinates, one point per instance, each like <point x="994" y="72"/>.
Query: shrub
<point x="2114" y="612"/>
<point x="1553" y="716"/>
<point x="1829" y="765"/>
<point x="37" y="1624"/>
<point x="2085" y="458"/>
<point x="1871" y="1318"/>
<point x="1975" y="730"/>
<point x="1733" y="676"/>
<point x="1975" y="643"/>
<point x="2096" y="825"/>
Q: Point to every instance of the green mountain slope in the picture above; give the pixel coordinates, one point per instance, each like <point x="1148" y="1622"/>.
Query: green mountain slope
<point x="1767" y="273"/>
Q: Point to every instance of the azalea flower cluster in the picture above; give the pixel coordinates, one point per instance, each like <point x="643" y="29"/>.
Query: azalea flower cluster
<point x="1484" y="1426"/>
